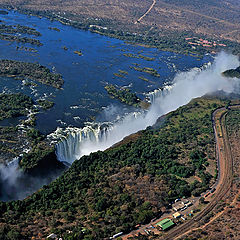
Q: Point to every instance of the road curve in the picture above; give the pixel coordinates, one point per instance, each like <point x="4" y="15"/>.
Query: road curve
<point x="225" y="169"/>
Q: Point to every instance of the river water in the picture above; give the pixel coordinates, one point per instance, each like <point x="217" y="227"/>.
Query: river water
<point x="83" y="97"/>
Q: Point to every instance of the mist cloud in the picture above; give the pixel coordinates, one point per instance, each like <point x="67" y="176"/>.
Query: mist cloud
<point x="186" y="86"/>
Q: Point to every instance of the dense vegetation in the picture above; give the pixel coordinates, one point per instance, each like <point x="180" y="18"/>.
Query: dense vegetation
<point x="232" y="73"/>
<point x="11" y="33"/>
<point x="233" y="121"/>
<point x="112" y="191"/>
<point x="10" y="143"/>
<point x="40" y="153"/>
<point x="54" y="29"/>
<point x="14" y="105"/>
<point x="124" y="95"/>
<point x="30" y="70"/>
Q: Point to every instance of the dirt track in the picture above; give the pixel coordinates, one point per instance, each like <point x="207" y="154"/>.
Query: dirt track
<point x="147" y="12"/>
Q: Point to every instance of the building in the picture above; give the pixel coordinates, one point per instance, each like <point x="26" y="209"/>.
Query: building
<point x="116" y="235"/>
<point x="176" y="215"/>
<point x="186" y="202"/>
<point x="165" y="224"/>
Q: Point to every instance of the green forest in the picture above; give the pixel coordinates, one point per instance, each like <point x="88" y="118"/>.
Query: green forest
<point x="112" y="191"/>
<point x="12" y="33"/>
<point x="11" y="29"/>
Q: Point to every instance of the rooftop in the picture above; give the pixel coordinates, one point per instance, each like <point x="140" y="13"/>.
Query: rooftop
<point x="165" y="224"/>
<point x="176" y="215"/>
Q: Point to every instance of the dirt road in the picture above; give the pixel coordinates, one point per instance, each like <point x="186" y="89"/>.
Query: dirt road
<point x="147" y="12"/>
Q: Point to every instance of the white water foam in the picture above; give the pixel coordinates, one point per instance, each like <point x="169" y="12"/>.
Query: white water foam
<point x="185" y="86"/>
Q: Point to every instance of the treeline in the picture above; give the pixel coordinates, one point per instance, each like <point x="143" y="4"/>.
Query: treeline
<point x="233" y="121"/>
<point x="40" y="154"/>
<point x="112" y="191"/>
<point x="33" y="71"/>
<point x="45" y="104"/>
<point x="151" y="71"/>
<point x="9" y="143"/>
<point x="7" y="33"/>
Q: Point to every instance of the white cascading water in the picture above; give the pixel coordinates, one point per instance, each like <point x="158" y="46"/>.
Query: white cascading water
<point x="159" y="93"/>
<point x="185" y="86"/>
<point x="69" y="149"/>
<point x="166" y="90"/>
<point x="94" y="136"/>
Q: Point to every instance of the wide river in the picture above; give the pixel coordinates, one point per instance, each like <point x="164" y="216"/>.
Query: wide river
<point x="83" y="97"/>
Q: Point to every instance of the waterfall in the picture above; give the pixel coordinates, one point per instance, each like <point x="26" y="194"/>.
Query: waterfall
<point x="76" y="142"/>
<point x="165" y="90"/>
<point x="7" y="171"/>
<point x="9" y="175"/>
<point x="70" y="147"/>
<point x="158" y="93"/>
<point x="197" y="82"/>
